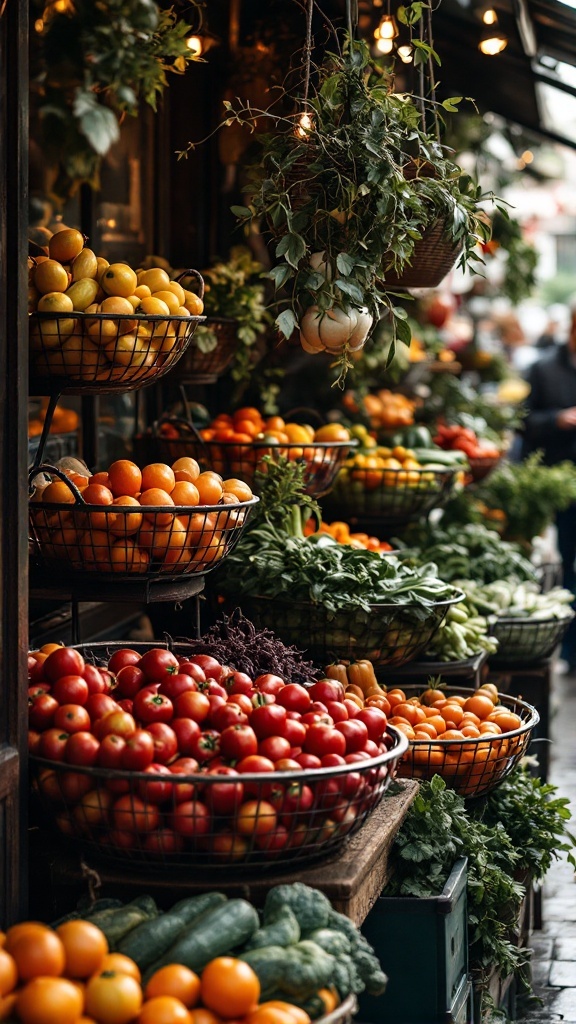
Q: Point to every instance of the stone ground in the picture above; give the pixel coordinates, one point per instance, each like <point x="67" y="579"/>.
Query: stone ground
<point x="554" y="960"/>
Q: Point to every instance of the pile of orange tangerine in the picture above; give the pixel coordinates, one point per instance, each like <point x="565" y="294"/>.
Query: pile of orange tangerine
<point x="456" y="737"/>
<point x="122" y="536"/>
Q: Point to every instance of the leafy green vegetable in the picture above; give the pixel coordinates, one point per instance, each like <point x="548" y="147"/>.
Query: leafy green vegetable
<point x="470" y="552"/>
<point x="529" y="494"/>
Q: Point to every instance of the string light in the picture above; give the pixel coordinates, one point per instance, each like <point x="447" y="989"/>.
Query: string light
<point x="387" y="28"/>
<point x="492" y="40"/>
<point x="385" y="45"/>
<point x="305" y="126"/>
<point x="527" y="156"/>
<point x="195" y="44"/>
<point x="406" y="54"/>
<point x="490" y="17"/>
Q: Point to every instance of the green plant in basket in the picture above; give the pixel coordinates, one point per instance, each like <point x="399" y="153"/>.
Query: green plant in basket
<point x="235" y="290"/>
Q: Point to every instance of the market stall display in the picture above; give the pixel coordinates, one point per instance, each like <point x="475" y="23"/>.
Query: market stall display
<point x="527" y="623"/>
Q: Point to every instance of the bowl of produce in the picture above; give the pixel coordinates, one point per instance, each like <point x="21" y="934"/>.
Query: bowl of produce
<point x="392" y="486"/>
<point x="483" y="455"/>
<point x="386" y="633"/>
<point x="160" y="521"/>
<point x="104" y="327"/>
<point x="472" y="738"/>
<point x="527" y="623"/>
<point x="237" y="445"/>
<point x="200" y="766"/>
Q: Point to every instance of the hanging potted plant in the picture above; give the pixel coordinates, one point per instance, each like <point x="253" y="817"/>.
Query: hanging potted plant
<point x="355" y="191"/>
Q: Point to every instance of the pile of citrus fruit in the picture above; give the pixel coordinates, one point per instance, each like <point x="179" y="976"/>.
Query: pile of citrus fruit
<point x="68" y="976"/>
<point x="75" y="286"/>
<point x="154" y="519"/>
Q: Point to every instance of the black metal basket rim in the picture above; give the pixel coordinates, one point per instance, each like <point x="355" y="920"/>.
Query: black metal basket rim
<point x="174" y="510"/>
<point x="305" y="776"/>
<point x="352" y="443"/>
<point x="444" y="471"/>
<point x="82" y="315"/>
<point x="513" y="701"/>
<point x="459" y="596"/>
<point x="527" y="620"/>
<point x="220" y="319"/>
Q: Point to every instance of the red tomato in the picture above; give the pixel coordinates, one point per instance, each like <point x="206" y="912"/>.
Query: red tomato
<point x="131" y="814"/>
<point x="74" y="785"/>
<point x="36" y="673"/>
<point x="72" y="718"/>
<point x="214" y="689"/>
<point x="269" y="683"/>
<point x="173" y="686"/>
<point x="138" y="752"/>
<point x="324" y="739"/>
<point x="152" y="707"/>
<point x="297" y="799"/>
<point x="111" y="750"/>
<point x="70" y="689"/>
<point x="53" y="744"/>
<point x="187" y="731"/>
<point x="261" y="700"/>
<point x="242" y="700"/>
<point x="351" y="707"/>
<point x="129" y="681"/>
<point x="254" y="763"/>
<point x="308" y="761"/>
<point x="327" y="794"/>
<point x="256" y="817"/>
<point x="268" y="721"/>
<point x="318" y="707"/>
<point x="227" y="714"/>
<point x="224" y="798"/>
<point x="41" y="711"/>
<point x="96" y="681"/>
<point x="109" y="680"/>
<point x="163" y="840"/>
<point x="375" y="721"/>
<point x="210" y="666"/>
<point x="327" y="689"/>
<point x="239" y="682"/>
<point x="345" y="816"/>
<point x="371" y="748"/>
<point x="160" y="787"/>
<point x="33" y="741"/>
<point x="63" y="662"/>
<point x="237" y="742"/>
<point x="287" y="764"/>
<point x="37" y="690"/>
<point x="294" y="697"/>
<point x="157" y="662"/>
<point x="355" y="734"/>
<point x="192" y="705"/>
<point x="274" y="841"/>
<point x="82" y="749"/>
<point x="118" y="722"/>
<point x="126" y="705"/>
<point x="215" y="702"/>
<point x="99" y="704"/>
<point x="337" y="710"/>
<point x="183" y="790"/>
<point x="332" y="760"/>
<point x="315" y="718"/>
<point x="274" y="747"/>
<point x="191" y="818"/>
<point x="294" y="731"/>
<point x="189" y="668"/>
<point x="165" y="742"/>
<point x="125" y="656"/>
<point x="207" y="745"/>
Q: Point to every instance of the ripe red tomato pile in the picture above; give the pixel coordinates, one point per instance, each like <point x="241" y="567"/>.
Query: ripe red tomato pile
<point x="464" y="439"/>
<point x="166" y="716"/>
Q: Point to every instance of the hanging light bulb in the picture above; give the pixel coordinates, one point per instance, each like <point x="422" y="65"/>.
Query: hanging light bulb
<point x="305" y="126"/>
<point x="492" y="40"/>
<point x="387" y="29"/>
<point x="385" y="45"/>
<point x="195" y="44"/>
<point x="406" y="54"/>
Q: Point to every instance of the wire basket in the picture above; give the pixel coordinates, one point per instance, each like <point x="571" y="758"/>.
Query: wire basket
<point x="433" y="257"/>
<point x="205" y="367"/>
<point x="526" y="641"/>
<point x="322" y="459"/>
<point x="472" y="766"/>
<point x="105" y="352"/>
<point x="549" y="574"/>
<point x="343" y="1014"/>
<point x="114" y="542"/>
<point x="388" y="634"/>
<point x="389" y="497"/>
<point x="198" y="821"/>
<point x="480" y="468"/>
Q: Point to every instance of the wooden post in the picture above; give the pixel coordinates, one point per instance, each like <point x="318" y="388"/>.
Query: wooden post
<point x="13" y="457"/>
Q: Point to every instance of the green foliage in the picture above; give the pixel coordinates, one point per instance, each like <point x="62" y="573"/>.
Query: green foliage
<point x="100" y="60"/>
<point x="469" y="552"/>
<point x="529" y="494"/>
<point x="520" y="271"/>
<point x="235" y="289"/>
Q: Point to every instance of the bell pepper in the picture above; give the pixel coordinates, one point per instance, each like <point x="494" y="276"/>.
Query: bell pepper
<point x="338" y="671"/>
<point x="361" y="673"/>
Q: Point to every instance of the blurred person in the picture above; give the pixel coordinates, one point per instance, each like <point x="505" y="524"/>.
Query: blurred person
<point x="554" y="330"/>
<point x="550" y="426"/>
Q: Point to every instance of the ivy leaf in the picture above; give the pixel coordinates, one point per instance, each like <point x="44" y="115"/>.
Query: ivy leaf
<point x="351" y="289"/>
<point x="403" y="331"/>
<point x="345" y="263"/>
<point x="95" y="121"/>
<point x="293" y="247"/>
<point x="241" y="211"/>
<point x="451" y="103"/>
<point x="280" y="274"/>
<point x="286" y="323"/>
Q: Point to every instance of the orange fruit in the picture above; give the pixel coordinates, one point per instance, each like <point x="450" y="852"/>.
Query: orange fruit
<point x="120" y="964"/>
<point x="194" y="304"/>
<point x="50" y="276"/>
<point x="174" y="980"/>
<point x="167" y="296"/>
<point x="164" y="1010"/>
<point x="186" y="466"/>
<point x="154" y="307"/>
<point x="46" y="1000"/>
<point x="85" y="946"/>
<point x="55" y="302"/>
<point x="210" y="487"/>
<point x="238" y="488"/>
<point x="229" y="987"/>
<point x="38" y="952"/>
<point x="66" y="245"/>
<point x="119" y="279"/>
<point x="125" y="478"/>
<point x="155" y="279"/>
<point x="159" y="475"/>
<point x="8" y="973"/>
<point x="185" y="493"/>
<point x="155" y="496"/>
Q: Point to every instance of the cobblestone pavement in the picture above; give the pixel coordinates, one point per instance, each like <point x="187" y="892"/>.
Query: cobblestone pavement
<point x="554" y="960"/>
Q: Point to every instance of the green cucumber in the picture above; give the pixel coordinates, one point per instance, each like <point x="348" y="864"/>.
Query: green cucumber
<point x="440" y="457"/>
<point x="150" y="940"/>
<point x="218" y="931"/>
<point x="116" y="923"/>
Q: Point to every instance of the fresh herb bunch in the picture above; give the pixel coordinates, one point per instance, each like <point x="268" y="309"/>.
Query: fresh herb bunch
<point x="336" y="197"/>
<point x="529" y="494"/>
<point x="285" y="564"/>
<point x="471" y="552"/>
<point x="535" y="819"/>
<point x="437" y="830"/>
<point x="99" y="60"/>
<point x="235" y="289"/>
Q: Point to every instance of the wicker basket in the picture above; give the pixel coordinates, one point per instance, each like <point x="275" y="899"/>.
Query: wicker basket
<point x="433" y="257"/>
<point x="205" y="367"/>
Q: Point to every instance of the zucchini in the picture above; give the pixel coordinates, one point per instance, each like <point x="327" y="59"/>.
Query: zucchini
<point x="149" y="940"/>
<point x="116" y="923"/>
<point x="216" y="932"/>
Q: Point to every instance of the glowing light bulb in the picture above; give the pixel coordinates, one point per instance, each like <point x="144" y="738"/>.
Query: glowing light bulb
<point x="385" y="45"/>
<point x="387" y="29"/>
<point x="405" y="54"/>
<point x="492" y="40"/>
<point x="490" y="17"/>
<point x="305" y="126"/>
<point x="527" y="156"/>
<point x="195" y="44"/>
